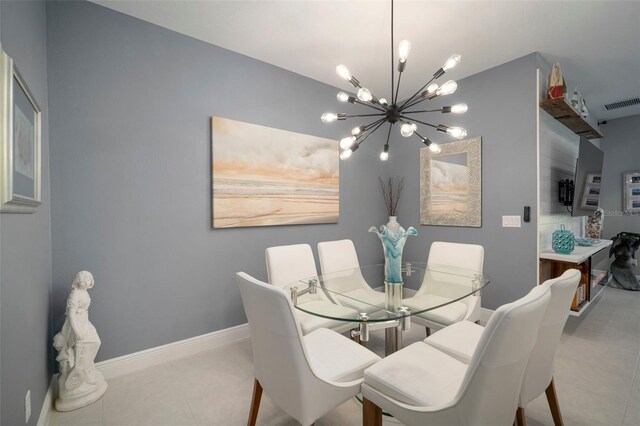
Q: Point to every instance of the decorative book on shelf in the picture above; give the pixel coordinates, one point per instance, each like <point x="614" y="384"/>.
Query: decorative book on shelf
<point x="562" y="111"/>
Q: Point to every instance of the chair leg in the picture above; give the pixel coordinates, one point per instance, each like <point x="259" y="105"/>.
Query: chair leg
<point x="255" y="403"/>
<point x="521" y="420"/>
<point x="428" y="330"/>
<point x="371" y="413"/>
<point x="552" y="398"/>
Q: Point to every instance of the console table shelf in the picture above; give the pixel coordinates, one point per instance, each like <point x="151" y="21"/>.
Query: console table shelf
<point x="564" y="113"/>
<point x="553" y="264"/>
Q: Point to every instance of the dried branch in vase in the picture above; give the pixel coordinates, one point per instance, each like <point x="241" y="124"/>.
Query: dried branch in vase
<point x="391" y="191"/>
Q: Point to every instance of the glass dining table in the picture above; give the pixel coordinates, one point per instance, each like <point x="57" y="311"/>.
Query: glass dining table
<point x="361" y="296"/>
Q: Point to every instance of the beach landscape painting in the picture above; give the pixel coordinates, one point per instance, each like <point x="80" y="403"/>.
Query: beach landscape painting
<point x="450" y="184"/>
<point x="264" y="176"/>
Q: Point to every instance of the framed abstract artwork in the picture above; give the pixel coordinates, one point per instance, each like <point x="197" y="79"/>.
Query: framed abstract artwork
<point x="263" y="176"/>
<point x="451" y="184"/>
<point x="631" y="191"/>
<point x="20" y="133"/>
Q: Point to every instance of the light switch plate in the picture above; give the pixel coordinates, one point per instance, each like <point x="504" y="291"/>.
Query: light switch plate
<point x="511" y="222"/>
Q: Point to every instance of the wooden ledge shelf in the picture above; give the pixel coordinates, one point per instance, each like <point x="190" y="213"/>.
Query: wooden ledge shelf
<point x="562" y="111"/>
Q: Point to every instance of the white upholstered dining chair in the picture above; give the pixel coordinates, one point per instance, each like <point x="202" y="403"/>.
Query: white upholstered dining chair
<point x="422" y="385"/>
<point x="461" y="340"/>
<point x="287" y="264"/>
<point x="305" y="376"/>
<point x="443" y="255"/>
<point x="341" y="271"/>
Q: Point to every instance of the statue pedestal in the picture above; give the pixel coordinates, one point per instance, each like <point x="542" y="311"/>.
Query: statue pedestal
<point x="82" y="396"/>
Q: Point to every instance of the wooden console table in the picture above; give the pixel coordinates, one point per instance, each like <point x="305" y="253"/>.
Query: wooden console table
<point x="553" y="265"/>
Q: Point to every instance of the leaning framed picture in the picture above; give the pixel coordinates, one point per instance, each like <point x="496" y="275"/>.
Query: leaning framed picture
<point x="20" y="140"/>
<point x="451" y="184"/>
<point x="631" y="191"/>
<point x="591" y="195"/>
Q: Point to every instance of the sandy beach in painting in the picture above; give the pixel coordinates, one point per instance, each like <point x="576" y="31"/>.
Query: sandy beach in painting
<point x="264" y="176"/>
<point x="449" y="188"/>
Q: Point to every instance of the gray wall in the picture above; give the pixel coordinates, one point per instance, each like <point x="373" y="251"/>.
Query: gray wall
<point x="621" y="148"/>
<point x="25" y="262"/>
<point x="502" y="103"/>
<point x="131" y="105"/>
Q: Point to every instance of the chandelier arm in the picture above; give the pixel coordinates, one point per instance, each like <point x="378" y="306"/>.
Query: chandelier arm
<point x="415" y="94"/>
<point x="389" y="134"/>
<point x="370" y="133"/>
<point x="397" y="88"/>
<point x="420" y="136"/>
<point x="416" y="102"/>
<point x="421" y="122"/>
<point x="373" y="123"/>
<point x="392" y="68"/>
<point x="365" y="115"/>
<point x="369" y="105"/>
<point x="424" y="110"/>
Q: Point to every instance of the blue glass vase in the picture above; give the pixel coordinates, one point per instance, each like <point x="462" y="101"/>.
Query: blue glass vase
<point x="393" y="245"/>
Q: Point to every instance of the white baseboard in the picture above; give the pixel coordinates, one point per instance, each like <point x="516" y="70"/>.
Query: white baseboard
<point x="154" y="356"/>
<point x="47" y="405"/>
<point x="170" y="352"/>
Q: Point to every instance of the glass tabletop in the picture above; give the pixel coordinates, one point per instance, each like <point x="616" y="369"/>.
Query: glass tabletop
<point x="361" y="295"/>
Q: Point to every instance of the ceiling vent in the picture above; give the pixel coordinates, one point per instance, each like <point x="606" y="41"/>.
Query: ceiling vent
<point x="622" y="104"/>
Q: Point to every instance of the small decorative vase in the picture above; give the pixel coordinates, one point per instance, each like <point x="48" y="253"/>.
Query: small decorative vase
<point x="393" y="245"/>
<point x="563" y="241"/>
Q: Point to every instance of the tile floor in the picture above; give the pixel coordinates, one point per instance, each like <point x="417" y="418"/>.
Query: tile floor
<point x="597" y="381"/>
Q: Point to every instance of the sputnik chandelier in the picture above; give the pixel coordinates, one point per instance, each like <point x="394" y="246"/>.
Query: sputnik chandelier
<point x="396" y="112"/>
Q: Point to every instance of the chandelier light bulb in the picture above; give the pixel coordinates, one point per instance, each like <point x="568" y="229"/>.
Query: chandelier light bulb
<point x="403" y="51"/>
<point x="383" y="101"/>
<point x="345" y="154"/>
<point x="457" y="132"/>
<point x="384" y="155"/>
<point x="435" y="148"/>
<point x="329" y="117"/>
<point x="459" y="108"/>
<point x="447" y="88"/>
<point x="356" y="131"/>
<point x="343" y="72"/>
<point x="407" y="129"/>
<point x="342" y="97"/>
<point x="346" y="143"/>
<point x="452" y="62"/>
<point x="432" y="88"/>
<point x="364" y="94"/>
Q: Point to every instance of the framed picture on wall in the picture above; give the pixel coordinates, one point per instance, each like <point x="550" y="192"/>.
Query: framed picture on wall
<point x="591" y="195"/>
<point x="631" y="191"/>
<point x="20" y="140"/>
<point x="451" y="184"/>
<point x="262" y="176"/>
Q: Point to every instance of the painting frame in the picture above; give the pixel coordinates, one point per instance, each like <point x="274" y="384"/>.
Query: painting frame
<point x="631" y="191"/>
<point x="591" y="194"/>
<point x="266" y="176"/>
<point x="20" y="142"/>
<point x="435" y="212"/>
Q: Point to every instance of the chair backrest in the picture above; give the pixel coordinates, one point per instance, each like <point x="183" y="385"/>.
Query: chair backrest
<point x="489" y="394"/>
<point x="467" y="256"/>
<point x="539" y="371"/>
<point x="340" y="266"/>
<point x="442" y="256"/>
<point x="337" y="256"/>
<point x="287" y="264"/>
<point x="279" y="358"/>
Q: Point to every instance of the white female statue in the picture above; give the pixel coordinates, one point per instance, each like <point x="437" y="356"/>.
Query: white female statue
<point x="79" y="383"/>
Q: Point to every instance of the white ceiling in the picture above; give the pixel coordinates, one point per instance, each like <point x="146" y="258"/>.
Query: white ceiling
<point x="597" y="43"/>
